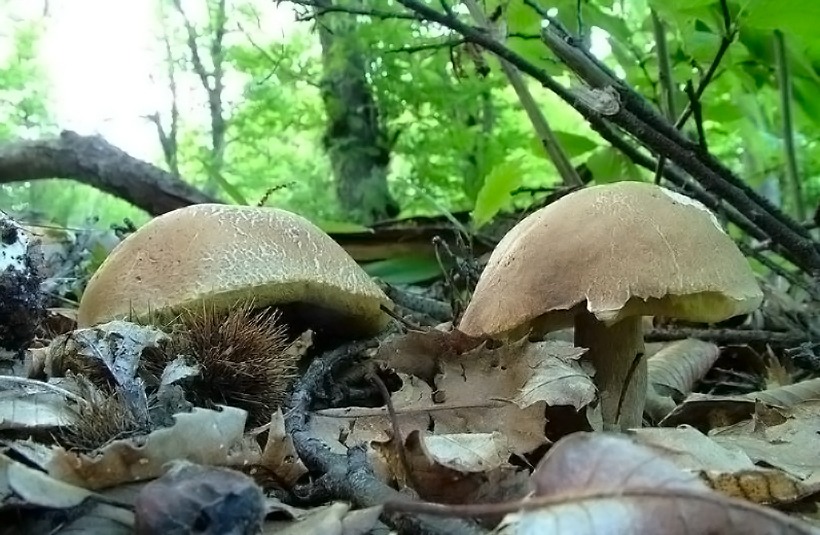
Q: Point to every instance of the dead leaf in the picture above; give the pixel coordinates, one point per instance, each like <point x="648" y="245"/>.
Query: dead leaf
<point x="343" y="427"/>
<point x="589" y="483"/>
<point x="279" y="455"/>
<point x="25" y="485"/>
<point x="789" y="395"/>
<point x="463" y="468"/>
<point x="334" y="519"/>
<point x="692" y="450"/>
<point x="789" y="443"/>
<point x="32" y="408"/>
<point x="418" y="352"/>
<point x="768" y="487"/>
<point x="205" y="436"/>
<point x="507" y="389"/>
<point x="673" y="371"/>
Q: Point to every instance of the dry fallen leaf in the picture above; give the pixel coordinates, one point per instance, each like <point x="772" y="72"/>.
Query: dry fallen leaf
<point x="279" y="455"/>
<point x="789" y="443"/>
<point x="692" y="450"/>
<point x="333" y="519"/>
<point x="213" y="437"/>
<point x="673" y="371"/>
<point x="23" y="485"/>
<point x="789" y="395"/>
<point x="462" y="468"/>
<point x="758" y="485"/>
<point x="507" y="389"/>
<point x="591" y="483"/>
<point x="33" y="408"/>
<point x="341" y="428"/>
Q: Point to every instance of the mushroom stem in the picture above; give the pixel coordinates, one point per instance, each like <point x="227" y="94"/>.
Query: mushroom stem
<point x="612" y="351"/>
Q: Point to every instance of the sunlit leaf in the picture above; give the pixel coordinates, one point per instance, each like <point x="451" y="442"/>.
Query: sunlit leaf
<point x="609" y="165"/>
<point x="572" y="144"/>
<point x="495" y="193"/>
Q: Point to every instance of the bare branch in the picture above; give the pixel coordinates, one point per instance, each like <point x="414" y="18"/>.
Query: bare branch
<point x="93" y="161"/>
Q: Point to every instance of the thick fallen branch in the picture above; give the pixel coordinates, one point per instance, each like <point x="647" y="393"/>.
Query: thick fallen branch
<point x="95" y="162"/>
<point x="350" y="477"/>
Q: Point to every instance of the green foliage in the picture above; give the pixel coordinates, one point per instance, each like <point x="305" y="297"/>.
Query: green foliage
<point x="497" y="190"/>
<point x="460" y="138"/>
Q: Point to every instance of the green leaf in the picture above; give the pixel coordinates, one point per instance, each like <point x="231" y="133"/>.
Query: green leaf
<point x="796" y="17"/>
<point x="609" y="165"/>
<point x="495" y="193"/>
<point x="573" y="144"/>
<point x="404" y="269"/>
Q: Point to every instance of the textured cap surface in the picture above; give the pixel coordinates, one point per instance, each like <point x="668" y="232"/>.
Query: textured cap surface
<point x="225" y="253"/>
<point x="628" y="248"/>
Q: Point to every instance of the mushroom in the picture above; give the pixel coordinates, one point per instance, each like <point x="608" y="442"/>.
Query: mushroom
<point x="224" y="254"/>
<point x="600" y="259"/>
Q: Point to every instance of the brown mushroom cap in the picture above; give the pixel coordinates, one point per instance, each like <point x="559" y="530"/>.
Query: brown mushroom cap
<point x="618" y="250"/>
<point x="224" y="254"/>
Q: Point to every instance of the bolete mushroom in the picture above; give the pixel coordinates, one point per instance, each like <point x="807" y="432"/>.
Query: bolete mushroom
<point x="224" y="254"/>
<point x="601" y="258"/>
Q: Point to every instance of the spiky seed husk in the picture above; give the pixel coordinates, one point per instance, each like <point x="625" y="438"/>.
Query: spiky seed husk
<point x="243" y="357"/>
<point x="103" y="418"/>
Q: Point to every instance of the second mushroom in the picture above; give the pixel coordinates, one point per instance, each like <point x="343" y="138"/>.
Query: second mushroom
<point x="601" y="258"/>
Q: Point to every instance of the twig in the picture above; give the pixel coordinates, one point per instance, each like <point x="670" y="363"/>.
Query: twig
<point x="793" y="278"/>
<point x="664" y="77"/>
<point x="542" y="128"/>
<point x="398" y="437"/>
<point x="664" y="65"/>
<point x="350" y="477"/>
<point x="322" y="9"/>
<point x="729" y="336"/>
<point x="697" y="111"/>
<point x="728" y="37"/>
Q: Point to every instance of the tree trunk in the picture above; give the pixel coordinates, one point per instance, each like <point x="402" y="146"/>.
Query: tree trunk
<point x="355" y="140"/>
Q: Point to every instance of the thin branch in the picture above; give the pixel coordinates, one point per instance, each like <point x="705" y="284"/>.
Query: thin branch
<point x="664" y="77"/>
<point x="785" y="83"/>
<point x="726" y="40"/>
<point x="664" y="65"/>
<point x="375" y="13"/>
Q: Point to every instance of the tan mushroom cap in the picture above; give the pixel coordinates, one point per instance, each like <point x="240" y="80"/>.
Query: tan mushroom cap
<point x="622" y="249"/>
<point x="225" y="253"/>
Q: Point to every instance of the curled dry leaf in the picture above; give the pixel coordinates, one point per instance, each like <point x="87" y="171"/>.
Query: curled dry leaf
<point x="334" y="519"/>
<point x="23" y="485"/>
<point x="458" y="468"/>
<point x="692" y="450"/>
<point x="30" y="408"/>
<point x="205" y="436"/>
<point x="789" y="395"/>
<point x="591" y="483"/>
<point x="785" y="439"/>
<point x="705" y="412"/>
<point x="673" y="371"/>
<point x="279" y="455"/>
